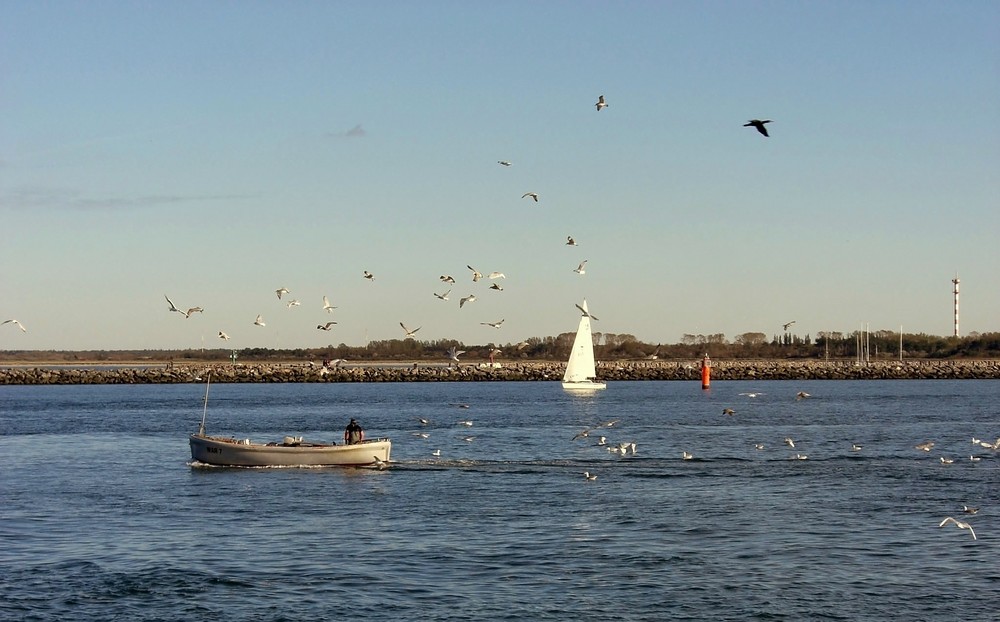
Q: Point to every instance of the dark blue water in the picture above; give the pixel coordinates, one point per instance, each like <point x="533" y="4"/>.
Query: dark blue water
<point x="104" y="518"/>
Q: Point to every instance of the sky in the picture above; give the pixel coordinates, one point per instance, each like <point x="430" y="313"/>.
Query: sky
<point x="213" y="152"/>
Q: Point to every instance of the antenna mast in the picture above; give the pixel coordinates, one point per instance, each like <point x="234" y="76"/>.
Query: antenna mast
<point x="956" y="281"/>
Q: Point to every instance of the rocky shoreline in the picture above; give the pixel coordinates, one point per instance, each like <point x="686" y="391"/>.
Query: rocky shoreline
<point x="517" y="371"/>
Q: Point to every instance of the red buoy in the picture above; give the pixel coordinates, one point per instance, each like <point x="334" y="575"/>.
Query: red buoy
<point x="706" y="371"/>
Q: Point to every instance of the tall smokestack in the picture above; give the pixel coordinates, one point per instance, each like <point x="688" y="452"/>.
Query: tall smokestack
<point x="955" y="281"/>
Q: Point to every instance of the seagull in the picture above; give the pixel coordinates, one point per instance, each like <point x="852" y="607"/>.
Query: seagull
<point x="443" y="296"/>
<point x="259" y="321"/>
<point x="958" y="524"/>
<point x="280" y="291"/>
<point x="18" y="324"/>
<point x="453" y="353"/>
<point x="380" y="464"/>
<point x="728" y="411"/>
<point x="409" y="333"/>
<point x="294" y="303"/>
<point x="327" y="306"/>
<point x="601" y="103"/>
<point x="496" y="275"/>
<point x="447" y="278"/>
<point x="421" y="435"/>
<point x="757" y="123"/>
<point x="801" y="395"/>
<point x="173" y="307"/>
<point x="192" y="310"/>
<point x="570" y="241"/>
<point x="423" y="421"/>
<point x="756" y="394"/>
<point x="974" y="458"/>
<point x="476" y="274"/>
<point x="468" y="439"/>
<point x="497" y="287"/>
<point x="586" y="313"/>
<point x="533" y="195"/>
<point x="606" y="424"/>
<point x="436" y="452"/>
<point x="601" y="442"/>
<point x="786" y="325"/>
<point x="855" y="447"/>
<point x="581" y="269"/>
<point x="946" y="460"/>
<point x="758" y="446"/>
<point x="469" y="298"/>
<point x="326" y="326"/>
<point x="687" y="456"/>
<point x="588" y="476"/>
<point x="583" y="434"/>
<point x="925" y="446"/>
<point x="800" y="457"/>
<point x="503" y="162"/>
<point x="493" y="324"/>
<point x="223" y="335"/>
<point x="368" y="275"/>
<point x="790" y="442"/>
<point x="467" y="423"/>
<point x="967" y="510"/>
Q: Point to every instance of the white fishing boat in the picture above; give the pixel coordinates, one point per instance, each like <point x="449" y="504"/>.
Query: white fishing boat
<point x="581" y="371"/>
<point x="290" y="452"/>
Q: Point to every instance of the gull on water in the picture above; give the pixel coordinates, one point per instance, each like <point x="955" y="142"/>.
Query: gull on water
<point x="476" y="274"/>
<point x="326" y="326"/>
<point x="447" y="278"/>
<point x="493" y="324"/>
<point x="855" y="447"/>
<point x="409" y="333"/>
<point x="443" y="296"/>
<point x="800" y="457"/>
<point x="570" y="241"/>
<point x="967" y="510"/>
<point x="327" y="306"/>
<point x="758" y="446"/>
<point x="533" y="195"/>
<point x="368" y="275"/>
<point x="687" y="455"/>
<point x="436" y="452"/>
<point x="582" y="268"/>
<point x="223" y="335"/>
<point x="380" y="464"/>
<point x="974" y="458"/>
<point x="497" y="287"/>
<point x="790" y="442"/>
<point x="601" y="103"/>
<point x="801" y="395"/>
<point x="467" y="423"/>
<point x="423" y="421"/>
<point x="588" y="476"/>
<point x="462" y="301"/>
<point x="958" y="524"/>
<point x="946" y="460"/>
<point x="280" y="291"/>
<point x="753" y="394"/>
<point x="259" y="321"/>
<point x="757" y="123"/>
<point x="925" y="446"/>
<point x="18" y="324"/>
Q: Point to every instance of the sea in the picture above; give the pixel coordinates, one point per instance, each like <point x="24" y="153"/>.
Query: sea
<point x="104" y="516"/>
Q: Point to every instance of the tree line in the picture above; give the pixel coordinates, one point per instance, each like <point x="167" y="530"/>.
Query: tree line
<point x="875" y="345"/>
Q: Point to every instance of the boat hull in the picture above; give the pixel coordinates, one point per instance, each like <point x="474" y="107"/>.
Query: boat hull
<point x="232" y="452"/>
<point x="584" y="386"/>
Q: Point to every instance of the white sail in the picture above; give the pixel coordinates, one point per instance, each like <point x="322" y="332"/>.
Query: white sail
<point x="581" y="371"/>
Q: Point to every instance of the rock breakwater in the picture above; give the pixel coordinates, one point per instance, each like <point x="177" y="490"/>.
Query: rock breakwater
<point x="520" y="371"/>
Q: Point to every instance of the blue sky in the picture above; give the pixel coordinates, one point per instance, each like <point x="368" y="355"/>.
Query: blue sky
<point x="216" y="151"/>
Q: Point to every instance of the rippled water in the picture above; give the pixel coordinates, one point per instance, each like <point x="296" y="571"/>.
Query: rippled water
<point x="103" y="517"/>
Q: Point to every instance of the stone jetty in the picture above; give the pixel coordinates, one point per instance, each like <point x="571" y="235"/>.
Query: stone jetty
<point x="506" y="371"/>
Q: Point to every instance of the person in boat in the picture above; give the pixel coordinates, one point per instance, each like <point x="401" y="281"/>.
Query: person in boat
<point x="353" y="434"/>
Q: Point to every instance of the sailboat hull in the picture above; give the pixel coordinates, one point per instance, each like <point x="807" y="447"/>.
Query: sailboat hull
<point x="584" y="386"/>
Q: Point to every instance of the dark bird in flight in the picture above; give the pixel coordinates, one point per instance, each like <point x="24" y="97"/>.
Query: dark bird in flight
<point x="785" y="326"/>
<point x="757" y="123"/>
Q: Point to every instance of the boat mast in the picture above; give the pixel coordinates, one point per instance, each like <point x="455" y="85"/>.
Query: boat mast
<point x="204" y="411"/>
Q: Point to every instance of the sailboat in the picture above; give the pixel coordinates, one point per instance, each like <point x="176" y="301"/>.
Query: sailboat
<point x="581" y="373"/>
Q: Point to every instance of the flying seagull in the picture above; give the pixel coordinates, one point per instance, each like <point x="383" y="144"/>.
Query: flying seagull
<point x="192" y="310"/>
<point x="293" y="303"/>
<point x="453" y="353"/>
<point x="496" y="275"/>
<point x="503" y="162"/>
<point x="280" y="291"/>
<point x="925" y="446"/>
<point x="587" y="314"/>
<point x="409" y="333"/>
<point x="326" y="326"/>
<point x="447" y="278"/>
<point x="728" y="411"/>
<point x="223" y="335"/>
<point x="259" y="321"/>
<point x="443" y="296"/>
<point x="327" y="306"/>
<point x="493" y="324"/>
<point x="21" y="326"/>
<point x="757" y="123"/>
<point x="582" y="268"/>
<point x="497" y="287"/>
<point x="958" y="524"/>
<point x="173" y="307"/>
<point x="601" y="103"/>
<point x="533" y="195"/>
<point x="476" y="274"/>
<point x="469" y="298"/>
<point x="786" y="325"/>
<point x="570" y="241"/>
<point x="368" y="275"/>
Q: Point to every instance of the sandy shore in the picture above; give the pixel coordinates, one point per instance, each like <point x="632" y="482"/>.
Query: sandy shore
<point x="520" y="371"/>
